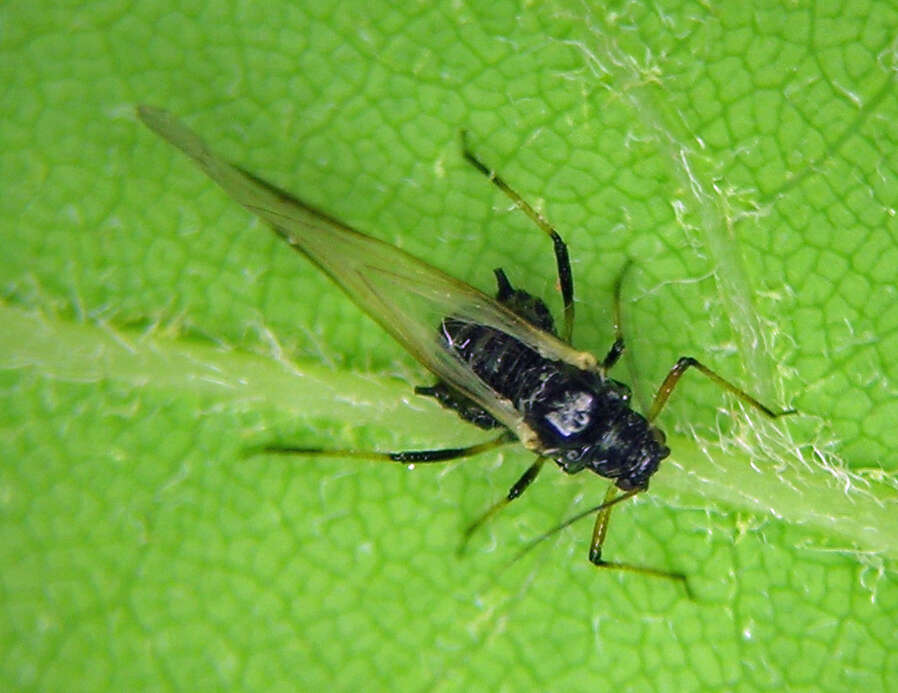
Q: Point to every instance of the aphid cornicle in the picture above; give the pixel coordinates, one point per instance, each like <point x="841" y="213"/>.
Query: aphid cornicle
<point x="499" y="361"/>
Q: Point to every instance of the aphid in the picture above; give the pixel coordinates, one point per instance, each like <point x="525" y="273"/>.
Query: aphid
<point x="499" y="362"/>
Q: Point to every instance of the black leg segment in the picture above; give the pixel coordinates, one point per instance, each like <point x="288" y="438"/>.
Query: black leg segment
<point x="562" y="260"/>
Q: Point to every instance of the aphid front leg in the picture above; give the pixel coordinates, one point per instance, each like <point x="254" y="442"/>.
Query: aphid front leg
<point x="562" y="260"/>
<point x="680" y="367"/>
<point x="514" y="492"/>
<point x="600" y="529"/>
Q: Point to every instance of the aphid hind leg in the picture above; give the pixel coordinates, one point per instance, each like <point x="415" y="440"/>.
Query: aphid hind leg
<point x="515" y="491"/>
<point x="686" y="362"/>
<point x="562" y="260"/>
<point x="405" y="457"/>
<point x="600" y="529"/>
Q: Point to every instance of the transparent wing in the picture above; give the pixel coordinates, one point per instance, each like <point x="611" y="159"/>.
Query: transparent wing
<point x="406" y="296"/>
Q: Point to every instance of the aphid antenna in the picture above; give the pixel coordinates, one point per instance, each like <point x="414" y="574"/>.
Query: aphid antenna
<point x="533" y="543"/>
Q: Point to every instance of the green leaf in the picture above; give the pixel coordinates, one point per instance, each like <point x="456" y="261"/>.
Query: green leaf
<point x="742" y="156"/>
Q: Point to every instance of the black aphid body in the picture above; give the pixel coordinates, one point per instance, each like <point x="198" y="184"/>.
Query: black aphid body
<point x="583" y="420"/>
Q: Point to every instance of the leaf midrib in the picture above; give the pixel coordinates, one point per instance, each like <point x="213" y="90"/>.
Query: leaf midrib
<point x="57" y="349"/>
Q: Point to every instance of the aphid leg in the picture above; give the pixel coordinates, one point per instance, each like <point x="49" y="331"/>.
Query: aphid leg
<point x="685" y="362"/>
<point x="565" y="277"/>
<point x="617" y="349"/>
<point x="407" y="457"/>
<point x="600" y="529"/>
<point x="598" y="538"/>
<point x="519" y="487"/>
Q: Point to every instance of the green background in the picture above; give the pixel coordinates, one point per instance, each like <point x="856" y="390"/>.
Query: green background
<point x="745" y="159"/>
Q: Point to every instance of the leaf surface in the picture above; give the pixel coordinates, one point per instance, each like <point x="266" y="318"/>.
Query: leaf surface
<point x="744" y="159"/>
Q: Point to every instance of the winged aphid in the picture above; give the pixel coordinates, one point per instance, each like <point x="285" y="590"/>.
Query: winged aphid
<point x="499" y="361"/>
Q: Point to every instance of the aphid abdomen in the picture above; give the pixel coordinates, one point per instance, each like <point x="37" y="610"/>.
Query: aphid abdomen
<point x="511" y="369"/>
<point x="505" y="364"/>
<point x="490" y="351"/>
